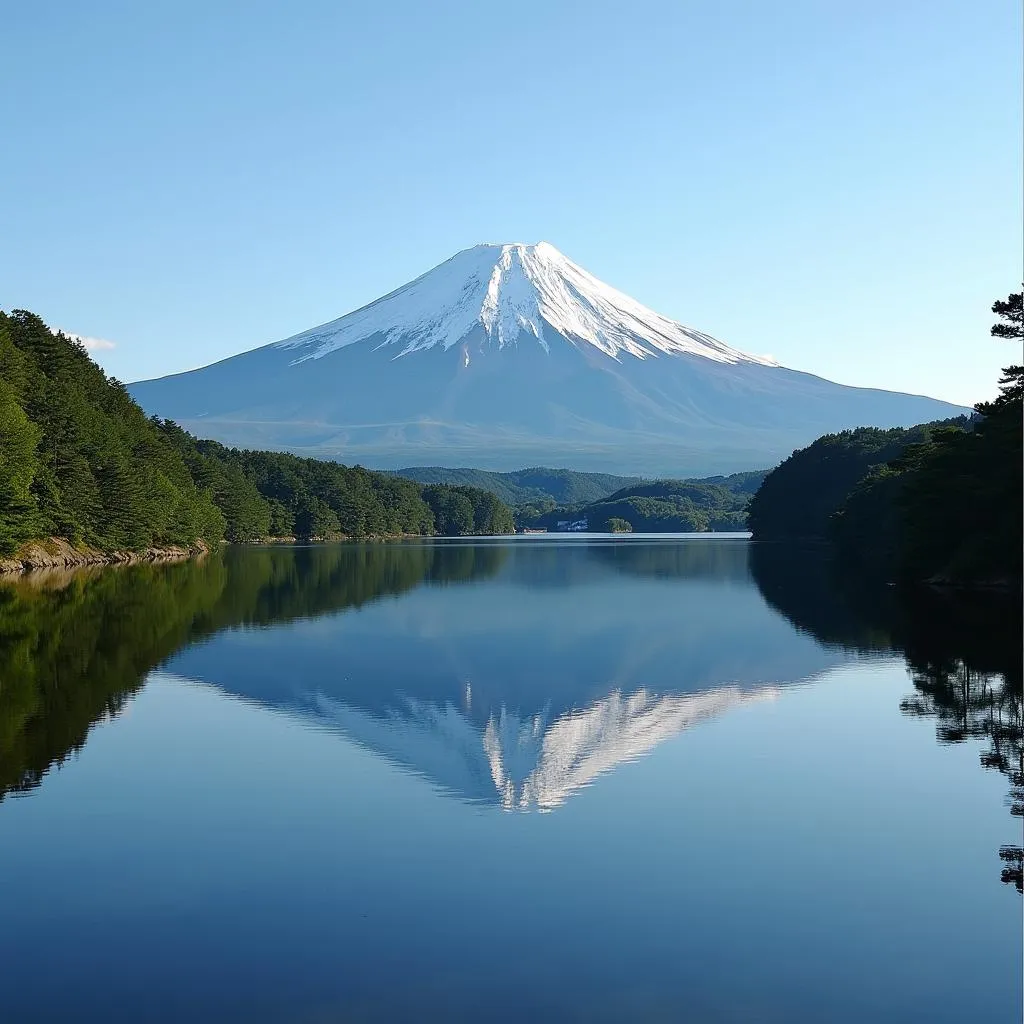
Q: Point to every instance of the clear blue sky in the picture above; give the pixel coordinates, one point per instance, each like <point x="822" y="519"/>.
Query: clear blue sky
<point x="837" y="184"/>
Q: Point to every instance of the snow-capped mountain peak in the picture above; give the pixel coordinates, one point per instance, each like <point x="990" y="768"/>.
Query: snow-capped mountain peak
<point x="514" y="293"/>
<point x="512" y="355"/>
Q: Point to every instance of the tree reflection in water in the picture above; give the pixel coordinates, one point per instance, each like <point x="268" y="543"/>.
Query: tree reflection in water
<point x="963" y="655"/>
<point x="75" y="646"/>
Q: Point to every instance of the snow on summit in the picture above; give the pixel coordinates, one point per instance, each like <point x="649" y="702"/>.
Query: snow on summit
<point x="516" y="293"/>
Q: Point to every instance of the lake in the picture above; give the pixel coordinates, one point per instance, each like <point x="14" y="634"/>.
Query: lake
<point x="530" y="779"/>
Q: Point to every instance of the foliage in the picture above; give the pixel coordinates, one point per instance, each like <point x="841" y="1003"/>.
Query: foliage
<point x="467" y="510"/>
<point x="949" y="509"/>
<point x="280" y="495"/>
<point x="660" y="506"/>
<point x="939" y="502"/>
<point x="80" y="460"/>
<point x="798" y="498"/>
<point x="616" y="525"/>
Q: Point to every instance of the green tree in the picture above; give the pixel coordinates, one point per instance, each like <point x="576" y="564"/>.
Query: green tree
<point x="617" y="525"/>
<point x="79" y="460"/>
<point x="1010" y="326"/>
<point x="314" y="519"/>
<point x="452" y="508"/>
<point x="938" y="503"/>
<point x="797" y="500"/>
<point x="18" y="463"/>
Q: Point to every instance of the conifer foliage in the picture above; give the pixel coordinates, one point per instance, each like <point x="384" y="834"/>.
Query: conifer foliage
<point x="938" y="502"/>
<point x="78" y="457"/>
<point x="81" y="461"/>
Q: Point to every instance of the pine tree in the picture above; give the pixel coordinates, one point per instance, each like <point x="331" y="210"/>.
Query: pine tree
<point x="19" y="437"/>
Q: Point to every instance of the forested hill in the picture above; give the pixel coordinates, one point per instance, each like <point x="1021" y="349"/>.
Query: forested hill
<point x="658" y="506"/>
<point x="79" y="460"/>
<point x="800" y="496"/>
<point x="526" y="486"/>
<point x="940" y="502"/>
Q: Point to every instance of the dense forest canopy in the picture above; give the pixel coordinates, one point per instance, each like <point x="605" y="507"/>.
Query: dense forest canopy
<point x="938" y="502"/>
<point x="78" y="457"/>
<point x="80" y="460"/>
<point x="799" y="497"/>
<point x="274" y="494"/>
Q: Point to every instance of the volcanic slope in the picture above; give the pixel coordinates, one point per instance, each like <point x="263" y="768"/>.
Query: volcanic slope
<point x="512" y="355"/>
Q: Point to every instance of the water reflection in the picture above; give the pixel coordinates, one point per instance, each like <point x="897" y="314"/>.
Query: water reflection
<point x="521" y="762"/>
<point x="963" y="655"/>
<point x="573" y="659"/>
<point x="75" y="646"/>
<point x="511" y="674"/>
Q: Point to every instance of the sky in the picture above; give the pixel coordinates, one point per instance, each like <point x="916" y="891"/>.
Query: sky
<point x="835" y="184"/>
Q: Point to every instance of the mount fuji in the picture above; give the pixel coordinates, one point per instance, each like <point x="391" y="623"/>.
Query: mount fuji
<point x="513" y="355"/>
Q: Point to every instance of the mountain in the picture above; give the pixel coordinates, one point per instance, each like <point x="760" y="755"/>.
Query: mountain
<point x="511" y="355"/>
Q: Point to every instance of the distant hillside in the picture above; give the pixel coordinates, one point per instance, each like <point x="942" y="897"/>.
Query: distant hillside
<point x="528" y="486"/>
<point x="738" y="483"/>
<point x="658" y="506"/>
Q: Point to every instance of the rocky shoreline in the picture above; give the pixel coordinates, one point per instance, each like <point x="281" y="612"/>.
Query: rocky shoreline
<point x="57" y="553"/>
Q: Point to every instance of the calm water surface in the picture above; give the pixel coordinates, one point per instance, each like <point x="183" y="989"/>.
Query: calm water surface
<point x="541" y="779"/>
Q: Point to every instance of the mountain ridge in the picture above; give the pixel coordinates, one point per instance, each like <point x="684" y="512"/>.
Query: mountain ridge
<point x="531" y="484"/>
<point x="513" y="355"/>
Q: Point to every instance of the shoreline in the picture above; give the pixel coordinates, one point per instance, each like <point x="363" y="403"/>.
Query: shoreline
<point x="58" y="553"/>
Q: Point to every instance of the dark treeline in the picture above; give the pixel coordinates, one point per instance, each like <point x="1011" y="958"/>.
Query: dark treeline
<point x="963" y="654"/>
<point x="657" y="506"/>
<point x="938" y="502"/>
<point x="799" y="498"/>
<point x="79" y="460"/>
<point x="75" y="646"/>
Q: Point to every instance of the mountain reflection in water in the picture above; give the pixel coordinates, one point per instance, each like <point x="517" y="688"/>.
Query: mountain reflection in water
<point x="572" y="659"/>
<point x="510" y="673"/>
<point x="525" y="763"/>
